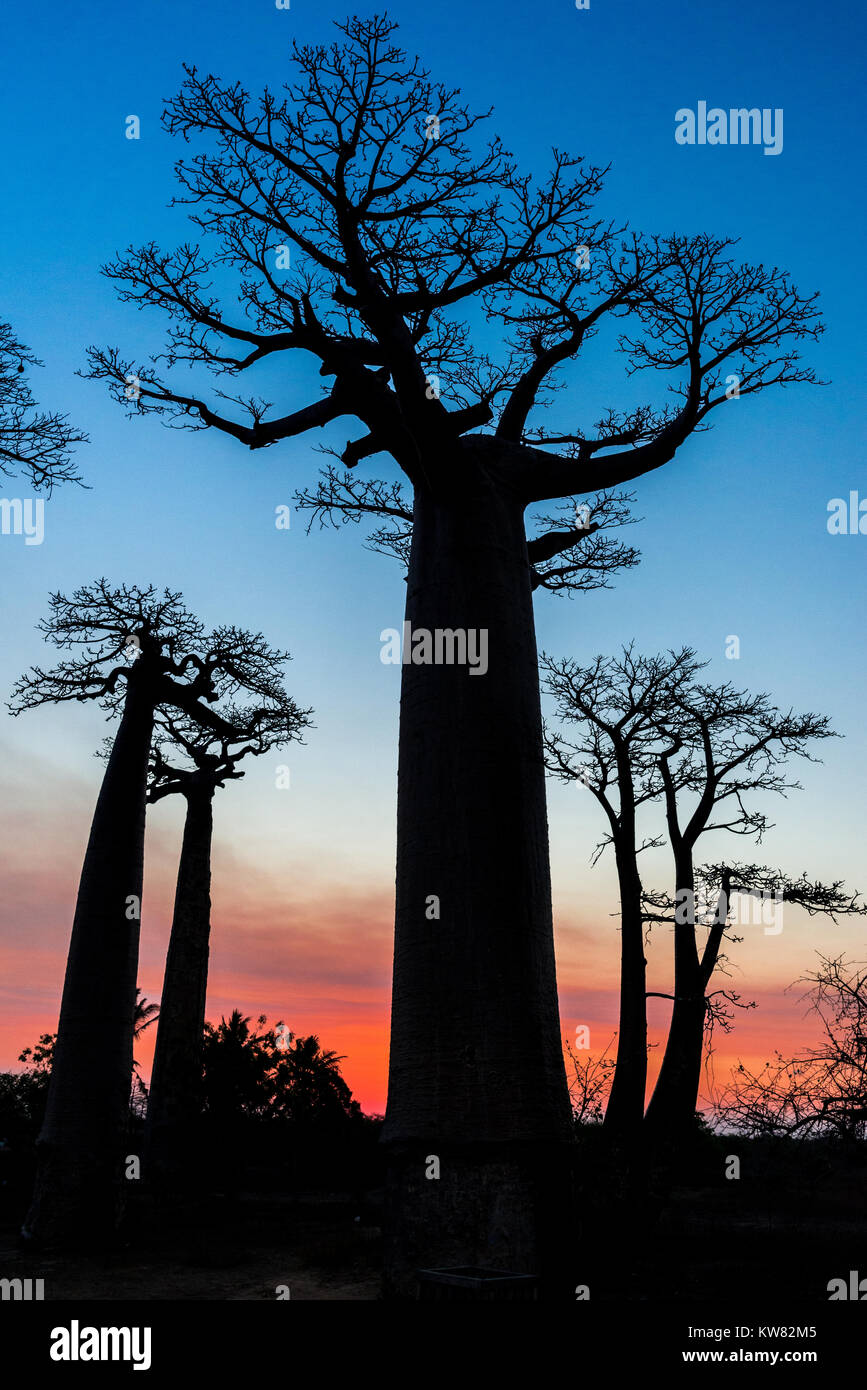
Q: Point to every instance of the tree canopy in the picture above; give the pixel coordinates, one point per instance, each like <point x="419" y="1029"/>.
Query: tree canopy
<point x="359" y="211"/>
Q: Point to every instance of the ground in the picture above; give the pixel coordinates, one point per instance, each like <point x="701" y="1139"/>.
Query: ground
<point x="793" y="1221"/>
<point x="221" y="1251"/>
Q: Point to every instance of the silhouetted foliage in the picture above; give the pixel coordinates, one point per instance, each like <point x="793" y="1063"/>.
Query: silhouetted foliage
<point x="248" y="1073"/>
<point x="33" y="442"/>
<point x="822" y="1090"/>
<point x="277" y="1110"/>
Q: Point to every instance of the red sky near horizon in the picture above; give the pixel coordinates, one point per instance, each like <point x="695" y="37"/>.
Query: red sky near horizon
<point x="302" y="946"/>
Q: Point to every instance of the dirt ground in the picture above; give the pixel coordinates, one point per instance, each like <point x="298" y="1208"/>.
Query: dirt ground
<point x="217" y="1251"/>
<point x="767" y="1239"/>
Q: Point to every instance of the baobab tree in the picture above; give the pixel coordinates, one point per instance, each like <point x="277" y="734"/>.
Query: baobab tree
<point x="724" y="747"/>
<point x="616" y="703"/>
<point x="626" y="754"/>
<point x="35" y="443"/>
<point x="362" y="214"/>
<point x="573" y="553"/>
<point x="716" y="908"/>
<point x="135" y="650"/>
<point x="192" y="762"/>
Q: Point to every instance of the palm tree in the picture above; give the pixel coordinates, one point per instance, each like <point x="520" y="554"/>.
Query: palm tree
<point x="145" y="1014"/>
<point x="260" y="1075"/>
<point x="308" y="1084"/>
<point x="236" y="1065"/>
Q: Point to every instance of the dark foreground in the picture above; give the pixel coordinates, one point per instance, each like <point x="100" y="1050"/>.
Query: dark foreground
<point x="795" y="1220"/>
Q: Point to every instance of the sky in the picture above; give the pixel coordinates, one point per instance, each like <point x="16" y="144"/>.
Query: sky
<point x="733" y="535"/>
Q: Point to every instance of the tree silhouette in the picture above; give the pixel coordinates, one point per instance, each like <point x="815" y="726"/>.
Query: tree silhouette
<point x="32" y="441"/>
<point x="22" y="1106"/>
<point x="590" y="1084"/>
<point x="271" y="1075"/>
<point x="144" y="1017"/>
<point x="135" y="651"/>
<point x="822" y="1090"/>
<point x="616" y="703"/>
<point x="571" y="555"/>
<point x="23" y="1094"/>
<point x="307" y="1085"/>
<point x="402" y="217"/>
<point x="263" y="1081"/>
<point x="236" y="1066"/>
<point x="193" y="763"/>
<point x="724" y="745"/>
<point x="716" y="887"/>
<point x="649" y="730"/>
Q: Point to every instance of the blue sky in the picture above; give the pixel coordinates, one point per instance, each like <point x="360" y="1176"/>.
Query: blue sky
<point x="734" y="534"/>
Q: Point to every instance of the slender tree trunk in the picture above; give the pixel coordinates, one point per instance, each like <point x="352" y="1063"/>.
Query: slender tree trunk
<point x="80" y="1173"/>
<point x="477" y="1086"/>
<point x="625" y="1111"/>
<point x="672" y="1107"/>
<point x="175" y="1092"/>
<point x="671" y="1111"/>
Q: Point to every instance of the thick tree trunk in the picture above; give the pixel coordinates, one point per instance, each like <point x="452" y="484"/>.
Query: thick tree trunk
<point x="671" y="1111"/>
<point x="80" y="1174"/>
<point x="624" y="1114"/>
<point x="477" y="1086"/>
<point x="176" y="1083"/>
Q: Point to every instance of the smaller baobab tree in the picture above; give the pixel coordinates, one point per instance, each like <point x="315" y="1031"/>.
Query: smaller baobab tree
<point x="615" y="704"/>
<point x="724" y="746"/>
<point x="192" y="762"/>
<point x="33" y="442"/>
<point x="649" y="731"/>
<point x="135" y="650"/>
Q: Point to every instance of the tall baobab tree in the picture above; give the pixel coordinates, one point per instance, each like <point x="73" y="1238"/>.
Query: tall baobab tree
<point x="33" y="442"/>
<point x="724" y="746"/>
<point x="616" y="703"/>
<point x="364" y="216"/>
<point x="192" y="762"/>
<point x="135" y="650"/>
<point x="573" y="554"/>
